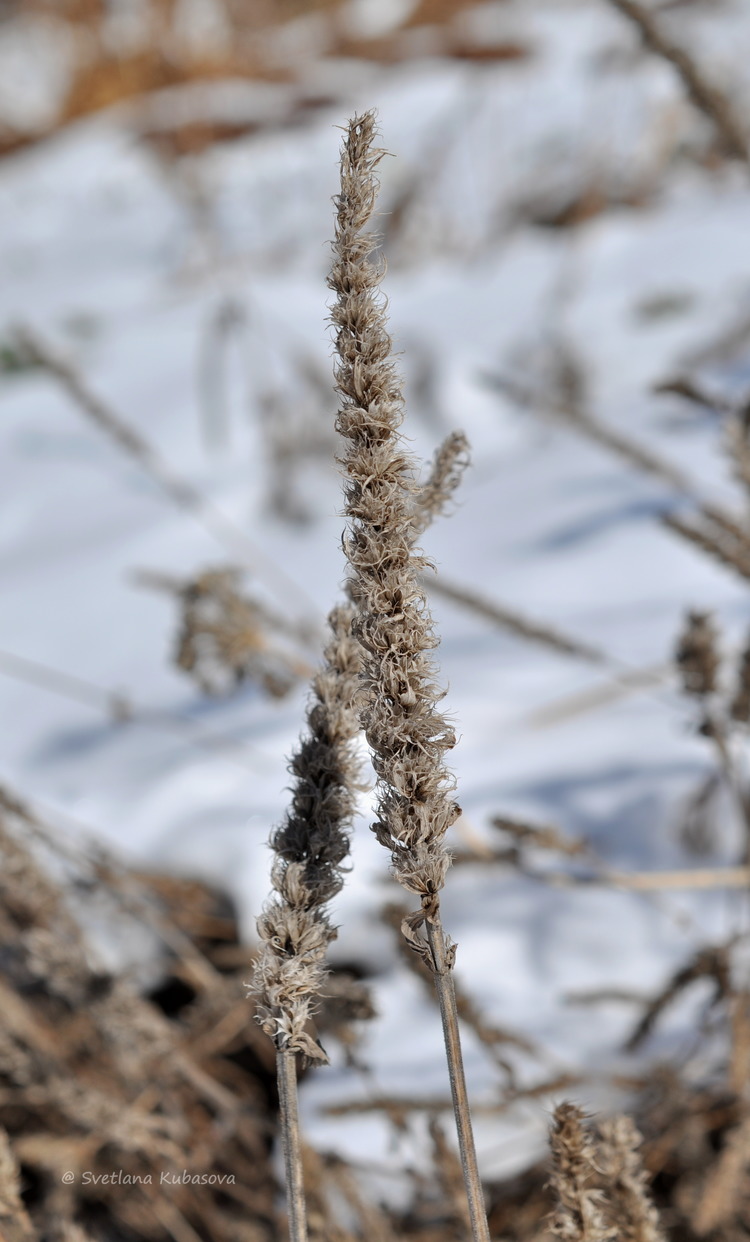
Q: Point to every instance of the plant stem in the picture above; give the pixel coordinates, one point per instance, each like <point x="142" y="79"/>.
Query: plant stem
<point x="286" y="1071"/>
<point x="442" y="969"/>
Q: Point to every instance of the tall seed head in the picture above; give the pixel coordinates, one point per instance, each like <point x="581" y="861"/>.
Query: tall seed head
<point x="407" y="734"/>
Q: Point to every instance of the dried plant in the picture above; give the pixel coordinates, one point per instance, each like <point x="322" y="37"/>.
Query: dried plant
<point x="498" y="1040"/>
<point x="540" y="836"/>
<point x="181" y="491"/>
<point x="706" y="97"/>
<point x="407" y="733"/>
<point x="227" y="637"/>
<point x="717" y="541"/>
<point x="513" y="621"/>
<point x="94" y="1076"/>
<point x="710" y="962"/>
<point x="697" y="656"/>
<point x="629" y="1199"/>
<point x="310" y="849"/>
<point x="448" y="467"/>
<point x="579" y="1215"/>
<point x="737" y="439"/>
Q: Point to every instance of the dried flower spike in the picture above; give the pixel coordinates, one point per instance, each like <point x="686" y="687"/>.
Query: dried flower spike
<point x="407" y="734"/>
<point x="697" y="656"/>
<point x="578" y="1216"/>
<point x="627" y="1182"/>
<point x="310" y="849"/>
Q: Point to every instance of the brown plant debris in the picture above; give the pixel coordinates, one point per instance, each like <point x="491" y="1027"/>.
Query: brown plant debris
<point x="723" y="1197"/>
<point x="15" y="1225"/>
<point x="578" y="1216"/>
<point x="697" y="654"/>
<point x="310" y="849"/>
<point x="226" y="637"/>
<point x="710" y="962"/>
<point x="95" y="1077"/>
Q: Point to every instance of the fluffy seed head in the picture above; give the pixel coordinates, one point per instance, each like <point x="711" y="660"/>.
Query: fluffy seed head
<point x="310" y="849"/>
<point x="408" y="736"/>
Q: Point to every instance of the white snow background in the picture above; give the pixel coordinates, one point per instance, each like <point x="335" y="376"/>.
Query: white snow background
<point x="114" y="262"/>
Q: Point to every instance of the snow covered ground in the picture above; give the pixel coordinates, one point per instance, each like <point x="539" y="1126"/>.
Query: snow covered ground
<point x="123" y="264"/>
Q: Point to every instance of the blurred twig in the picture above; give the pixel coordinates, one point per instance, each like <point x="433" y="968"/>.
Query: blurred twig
<point x="712" y="102"/>
<point x="180" y="490"/>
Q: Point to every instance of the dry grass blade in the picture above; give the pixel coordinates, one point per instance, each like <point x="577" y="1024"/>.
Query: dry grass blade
<point x="572" y="412"/>
<point x="375" y="1225"/>
<point x="740" y="705"/>
<point x="572" y="705"/>
<point x="711" y="101"/>
<point x="448" y="1170"/>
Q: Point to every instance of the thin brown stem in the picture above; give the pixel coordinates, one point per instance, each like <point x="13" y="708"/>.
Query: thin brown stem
<point x="180" y="490"/>
<point x="712" y="102"/>
<point x="286" y="1070"/>
<point x="442" y="968"/>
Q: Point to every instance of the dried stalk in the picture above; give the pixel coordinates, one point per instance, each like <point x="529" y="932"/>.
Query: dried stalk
<point x="724" y="547"/>
<point x="180" y="490"/>
<point x="310" y="849"/>
<point x="407" y="734"/>
<point x="118" y="707"/>
<point x="706" y="97"/>
<point x="573" y="413"/>
<point x="286" y="1073"/>
<point x="515" y="622"/>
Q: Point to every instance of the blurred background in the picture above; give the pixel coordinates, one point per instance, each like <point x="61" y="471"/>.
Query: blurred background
<point x="564" y="215"/>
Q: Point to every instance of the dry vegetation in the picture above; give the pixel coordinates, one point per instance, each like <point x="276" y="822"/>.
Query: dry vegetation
<point x="164" y="1067"/>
